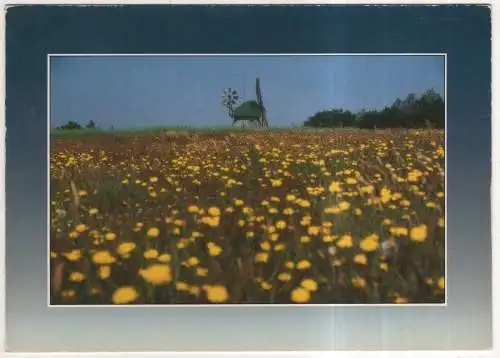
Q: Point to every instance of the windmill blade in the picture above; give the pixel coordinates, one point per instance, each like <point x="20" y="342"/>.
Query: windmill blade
<point x="258" y="91"/>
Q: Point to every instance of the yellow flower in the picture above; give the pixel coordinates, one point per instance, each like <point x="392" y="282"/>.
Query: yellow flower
<point x="81" y="228"/>
<point x="400" y="300"/>
<point x="157" y="274"/>
<point x="419" y="233"/>
<point x="124" y="295"/>
<point x="300" y="295"/>
<point x="261" y="257"/>
<point x="335" y="187"/>
<point x="351" y="180"/>
<point x="266" y="246"/>
<point x="284" y="276"/>
<point x="73" y="255"/>
<point x="398" y="231"/>
<point x="194" y="290"/>
<point x="182" y="286"/>
<point x="305" y="239"/>
<point x="369" y="243"/>
<point x="76" y="277"/>
<point x="266" y="285"/>
<point x="309" y="284"/>
<point x="313" y="230"/>
<point x="291" y="197"/>
<point x="110" y="236"/>
<point x="193" y="261"/>
<point x="276" y="182"/>
<point x="214" y="211"/>
<point x="193" y="209"/>
<point x="211" y="221"/>
<point x="125" y="248"/>
<point x="358" y="282"/>
<point x="441" y="222"/>
<point x="303" y="265"/>
<point x="153" y="232"/>
<point x="153" y="179"/>
<point x="214" y="249"/>
<point x="384" y="266"/>
<point x="93" y="211"/>
<point x="281" y="224"/>
<point x="151" y="254"/>
<point x="103" y="258"/>
<point x="104" y="272"/>
<point x="360" y="259"/>
<point x="201" y="272"/>
<point x="279" y="247"/>
<point x="441" y="283"/>
<point x="216" y="293"/>
<point x="289" y="265"/>
<point x="345" y="241"/>
<point x="344" y="205"/>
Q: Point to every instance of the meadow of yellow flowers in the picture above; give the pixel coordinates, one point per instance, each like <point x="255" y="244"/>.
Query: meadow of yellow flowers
<point x="280" y="217"/>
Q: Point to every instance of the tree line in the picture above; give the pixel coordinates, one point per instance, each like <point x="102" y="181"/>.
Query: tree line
<point x="426" y="111"/>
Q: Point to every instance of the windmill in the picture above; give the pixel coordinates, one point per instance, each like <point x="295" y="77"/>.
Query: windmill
<point x="252" y="111"/>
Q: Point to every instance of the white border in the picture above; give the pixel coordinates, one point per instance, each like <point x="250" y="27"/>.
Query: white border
<point x="49" y="56"/>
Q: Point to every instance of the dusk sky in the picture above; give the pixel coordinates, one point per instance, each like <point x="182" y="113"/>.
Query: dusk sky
<point x="145" y="91"/>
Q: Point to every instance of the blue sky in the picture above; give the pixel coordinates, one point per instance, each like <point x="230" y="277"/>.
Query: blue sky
<point x="144" y="91"/>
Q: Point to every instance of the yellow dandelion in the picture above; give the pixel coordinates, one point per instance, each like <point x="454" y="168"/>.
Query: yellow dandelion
<point x="345" y="241"/>
<point x="110" y="236"/>
<point x="309" y="284"/>
<point x="156" y="274"/>
<point x="441" y="283"/>
<point x="104" y="272"/>
<point x="303" y="265"/>
<point x="73" y="255"/>
<point x="305" y="239"/>
<point x="313" y="230"/>
<point x="126" y="247"/>
<point x="153" y="179"/>
<point x="419" y="233"/>
<point x="193" y="209"/>
<point x="76" y="277"/>
<point x="93" y="211"/>
<point x="398" y="231"/>
<point x="81" y="228"/>
<point x="201" y="272"/>
<point x="351" y="181"/>
<point x="103" y="258"/>
<point x="284" y="277"/>
<point x="153" y="232"/>
<point x="360" y="259"/>
<point x="289" y="265"/>
<point x="358" y="282"/>
<point x="182" y="286"/>
<point x="151" y="254"/>
<point x="124" y="295"/>
<point x="266" y="285"/>
<point x="261" y="257"/>
<point x="300" y="295"/>
<point x="401" y="300"/>
<point x="279" y="247"/>
<point x="193" y="261"/>
<point x="266" y="246"/>
<point x="335" y="187"/>
<point x="384" y="266"/>
<point x="216" y="294"/>
<point x="344" y="205"/>
<point x="280" y="224"/>
<point x="369" y="243"/>
<point x="214" y="211"/>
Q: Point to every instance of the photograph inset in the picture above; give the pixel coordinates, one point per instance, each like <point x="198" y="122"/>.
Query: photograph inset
<point x="193" y="180"/>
